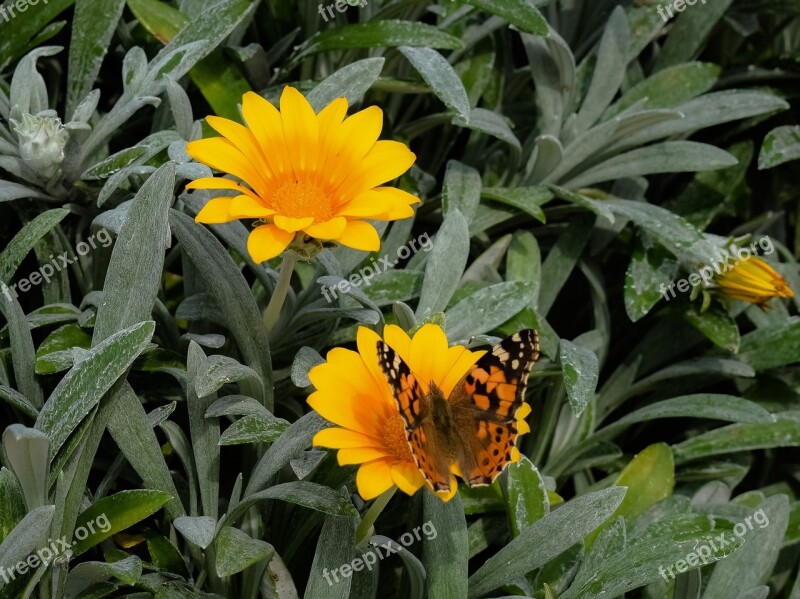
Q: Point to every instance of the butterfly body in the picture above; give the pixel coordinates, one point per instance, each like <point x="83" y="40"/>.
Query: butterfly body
<point x="473" y="431"/>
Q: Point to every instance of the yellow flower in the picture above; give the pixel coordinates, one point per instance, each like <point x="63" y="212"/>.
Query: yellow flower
<point x="352" y="393"/>
<point x="753" y="281"/>
<point x="315" y="173"/>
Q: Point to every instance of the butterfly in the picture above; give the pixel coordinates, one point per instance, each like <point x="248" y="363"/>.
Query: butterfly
<point x="471" y="432"/>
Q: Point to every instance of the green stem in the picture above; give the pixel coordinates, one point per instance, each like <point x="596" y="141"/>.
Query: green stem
<point x="365" y="528"/>
<point x="273" y="311"/>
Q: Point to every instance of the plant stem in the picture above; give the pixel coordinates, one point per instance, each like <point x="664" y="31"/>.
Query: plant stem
<point x="365" y="528"/>
<point x="273" y="311"/>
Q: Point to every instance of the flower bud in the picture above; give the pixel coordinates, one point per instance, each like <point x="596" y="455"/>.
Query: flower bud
<point x="41" y="142"/>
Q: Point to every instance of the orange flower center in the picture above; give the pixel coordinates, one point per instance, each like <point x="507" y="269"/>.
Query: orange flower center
<point x="299" y="199"/>
<point x="394" y="436"/>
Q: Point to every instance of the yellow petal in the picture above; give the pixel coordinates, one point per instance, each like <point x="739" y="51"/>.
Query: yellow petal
<point x="373" y="479"/>
<point x="378" y="205"/>
<point x="265" y="122"/>
<point x="267" y="241"/>
<point x="359" y="455"/>
<point x="329" y="119"/>
<point x="428" y="358"/>
<point x="350" y="142"/>
<point x="386" y="161"/>
<point x="241" y="137"/>
<point x="287" y="223"/>
<point x="331" y="229"/>
<point x="216" y="211"/>
<point x="340" y="438"/>
<point x="407" y="477"/>
<point x="301" y="130"/>
<point x="220" y="183"/>
<point x="221" y="154"/>
<point x="448" y="495"/>
<point x="247" y="207"/>
<point x="460" y="361"/>
<point x="398" y="340"/>
<point x="360" y="235"/>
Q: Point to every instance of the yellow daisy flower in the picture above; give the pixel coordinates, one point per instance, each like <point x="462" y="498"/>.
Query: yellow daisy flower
<point x="753" y="281"/>
<point x="319" y="174"/>
<point x="352" y="393"/>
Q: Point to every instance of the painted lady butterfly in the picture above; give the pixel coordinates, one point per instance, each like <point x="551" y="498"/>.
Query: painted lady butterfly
<point x="472" y="432"/>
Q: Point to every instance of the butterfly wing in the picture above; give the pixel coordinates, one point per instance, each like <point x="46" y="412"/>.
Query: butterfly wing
<point x="426" y="446"/>
<point x="485" y="403"/>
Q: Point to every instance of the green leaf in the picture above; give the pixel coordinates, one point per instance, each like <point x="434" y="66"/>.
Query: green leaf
<point x="200" y="530"/>
<point x="27" y="453"/>
<point x="24" y="241"/>
<point x="87" y="574"/>
<point x="351" y="81"/>
<point x="649" y="478"/>
<point x="445" y="264"/>
<point x="716" y="324"/>
<point x="442" y="79"/>
<point x="86" y="383"/>
<point x="648" y="272"/>
<point x="522" y="13"/>
<point x="527" y="199"/>
<point x="110" y="515"/>
<point x="27" y="537"/>
<point x="93" y="26"/>
<point x="783" y="432"/>
<point x="22" y="351"/>
<point x="303" y="493"/>
<point x="545" y="539"/>
<point x="486" y="309"/>
<point x="580" y="369"/>
<point x="666" y="157"/>
<point x="13" y="502"/>
<point x="689" y="32"/>
<point x="229" y="288"/>
<point x="609" y="70"/>
<point x="781" y="145"/>
<point x="16" y="38"/>
<point x="752" y="565"/>
<point x="772" y="347"/>
<point x="236" y="551"/>
<point x="727" y="408"/>
<point x="446" y="556"/>
<point x="253" y="429"/>
<point x="526" y="496"/>
<point x="670" y="87"/>
<point x="334" y="548"/>
<point x="54" y="354"/>
<point x="378" y="34"/>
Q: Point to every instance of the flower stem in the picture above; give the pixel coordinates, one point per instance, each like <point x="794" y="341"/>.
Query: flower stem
<point x="273" y="311"/>
<point x="365" y="528"/>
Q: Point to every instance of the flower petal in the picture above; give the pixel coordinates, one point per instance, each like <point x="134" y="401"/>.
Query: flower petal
<point x="386" y="161"/>
<point x="241" y="137"/>
<point x="360" y="235"/>
<point x="220" y="183"/>
<point x="221" y="154"/>
<point x="216" y="211"/>
<point x="265" y="122"/>
<point x="374" y="478"/>
<point x="341" y="438"/>
<point x="428" y="359"/>
<point x="331" y="229"/>
<point x="247" y="207"/>
<point x="359" y="455"/>
<point x="379" y="205"/>
<point x="267" y="241"/>
<point x="407" y="477"/>
<point x="300" y="129"/>
<point x="398" y="340"/>
<point x="287" y="223"/>
<point x="350" y="142"/>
